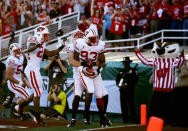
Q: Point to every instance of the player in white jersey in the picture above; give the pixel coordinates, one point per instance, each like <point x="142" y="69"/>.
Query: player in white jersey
<point x="16" y="83"/>
<point x="36" y="48"/>
<point x="89" y="74"/>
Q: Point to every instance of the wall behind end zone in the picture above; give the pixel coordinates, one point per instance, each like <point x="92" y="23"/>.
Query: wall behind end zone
<point x="143" y="89"/>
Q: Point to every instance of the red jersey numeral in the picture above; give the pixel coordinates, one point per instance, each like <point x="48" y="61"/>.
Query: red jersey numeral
<point x="92" y="54"/>
<point x="18" y="70"/>
<point x="40" y="52"/>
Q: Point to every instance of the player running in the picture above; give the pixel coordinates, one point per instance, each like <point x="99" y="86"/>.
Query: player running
<point x="36" y="45"/>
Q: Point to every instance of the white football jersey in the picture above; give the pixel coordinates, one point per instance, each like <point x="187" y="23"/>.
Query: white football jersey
<point x="17" y="64"/>
<point x="88" y="52"/>
<point x="35" y="57"/>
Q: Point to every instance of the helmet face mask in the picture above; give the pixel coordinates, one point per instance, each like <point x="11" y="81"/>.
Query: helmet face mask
<point x="42" y="33"/>
<point x="92" y="40"/>
<point x="91" y="37"/>
<point x="15" y="50"/>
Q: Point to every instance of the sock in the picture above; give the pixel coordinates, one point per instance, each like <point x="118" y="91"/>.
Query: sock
<point x="9" y="98"/>
<point x="87" y="105"/>
<point x="105" y="99"/>
<point x="75" y="105"/>
<point x="100" y="105"/>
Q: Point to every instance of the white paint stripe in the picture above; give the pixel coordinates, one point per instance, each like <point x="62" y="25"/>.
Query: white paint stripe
<point x="11" y="127"/>
<point x="132" y="125"/>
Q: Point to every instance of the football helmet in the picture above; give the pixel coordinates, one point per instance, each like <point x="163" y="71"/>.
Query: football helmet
<point x="15" y="50"/>
<point x="42" y="34"/>
<point x="78" y="34"/>
<point x="91" y="37"/>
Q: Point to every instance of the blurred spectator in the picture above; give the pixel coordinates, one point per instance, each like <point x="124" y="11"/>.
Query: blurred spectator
<point x="21" y="11"/>
<point x="44" y="17"/>
<point x="54" y="10"/>
<point x="67" y="7"/>
<point x="108" y="22"/>
<point x="107" y="5"/>
<point x="126" y="24"/>
<point x="13" y="13"/>
<point x="38" y="11"/>
<point x="163" y="12"/>
<point x="30" y="19"/>
<point x="83" y="24"/>
<point x="87" y="9"/>
<point x="59" y="99"/>
<point x="79" y="6"/>
<point x="185" y="22"/>
<point x="95" y="15"/>
<point x="134" y="15"/>
<point x="143" y="11"/>
<point x="153" y="17"/>
<point x="176" y="11"/>
<point x="126" y="81"/>
<point x="2" y="88"/>
<point x="116" y="28"/>
<point x="6" y="27"/>
<point x="12" y="23"/>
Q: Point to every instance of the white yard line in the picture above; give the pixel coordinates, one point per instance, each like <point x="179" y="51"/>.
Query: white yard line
<point x="132" y="125"/>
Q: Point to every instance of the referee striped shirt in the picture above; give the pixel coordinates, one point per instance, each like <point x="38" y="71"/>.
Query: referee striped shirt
<point x="163" y="71"/>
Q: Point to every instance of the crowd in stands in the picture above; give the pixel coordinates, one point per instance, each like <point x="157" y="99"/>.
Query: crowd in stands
<point x="123" y="18"/>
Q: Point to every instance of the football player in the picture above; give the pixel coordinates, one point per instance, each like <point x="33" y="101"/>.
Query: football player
<point x="16" y="82"/>
<point x="36" y="48"/>
<point x="89" y="52"/>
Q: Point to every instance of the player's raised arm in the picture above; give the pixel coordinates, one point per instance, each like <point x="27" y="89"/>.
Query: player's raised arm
<point x="32" y="47"/>
<point x="53" y="52"/>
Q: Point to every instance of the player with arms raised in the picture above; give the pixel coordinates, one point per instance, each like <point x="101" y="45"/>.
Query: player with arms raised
<point x="36" y="48"/>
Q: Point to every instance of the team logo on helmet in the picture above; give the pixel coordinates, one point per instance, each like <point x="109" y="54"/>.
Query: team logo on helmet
<point x="15" y="50"/>
<point x="42" y="34"/>
<point x="91" y="36"/>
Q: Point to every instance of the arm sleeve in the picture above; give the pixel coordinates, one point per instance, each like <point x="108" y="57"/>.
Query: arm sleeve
<point x="180" y="61"/>
<point x="142" y="59"/>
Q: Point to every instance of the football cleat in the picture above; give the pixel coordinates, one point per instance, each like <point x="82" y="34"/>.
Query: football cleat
<point x="87" y="122"/>
<point x="72" y="123"/>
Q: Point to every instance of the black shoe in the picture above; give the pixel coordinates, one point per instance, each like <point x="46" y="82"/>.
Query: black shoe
<point x="103" y="124"/>
<point x="108" y="122"/>
<point x="72" y="123"/>
<point x="39" y="121"/>
<point x="87" y="122"/>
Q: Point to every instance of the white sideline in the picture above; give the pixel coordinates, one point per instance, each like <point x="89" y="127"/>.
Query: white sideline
<point x="132" y="125"/>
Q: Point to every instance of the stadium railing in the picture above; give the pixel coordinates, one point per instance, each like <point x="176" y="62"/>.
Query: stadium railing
<point x="65" y="22"/>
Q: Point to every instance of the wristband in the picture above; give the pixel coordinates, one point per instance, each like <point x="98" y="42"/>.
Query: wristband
<point x="61" y="47"/>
